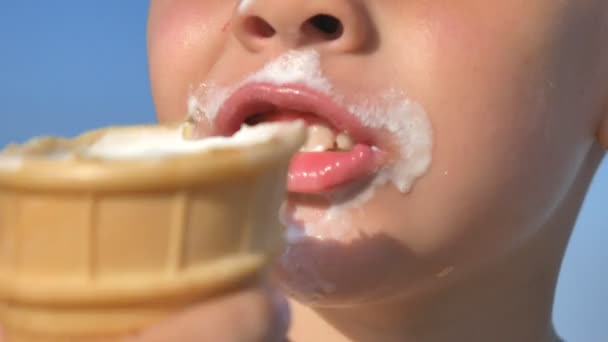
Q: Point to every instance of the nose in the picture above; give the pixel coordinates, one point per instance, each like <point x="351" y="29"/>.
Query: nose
<point x="336" y="25"/>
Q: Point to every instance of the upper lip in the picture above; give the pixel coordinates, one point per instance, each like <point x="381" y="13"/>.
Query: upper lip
<point x="257" y="98"/>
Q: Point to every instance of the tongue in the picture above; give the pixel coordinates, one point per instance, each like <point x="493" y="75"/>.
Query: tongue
<point x="312" y="172"/>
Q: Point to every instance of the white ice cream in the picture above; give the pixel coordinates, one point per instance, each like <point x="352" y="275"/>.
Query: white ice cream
<point x="138" y="144"/>
<point x="11" y="163"/>
<point x="157" y="144"/>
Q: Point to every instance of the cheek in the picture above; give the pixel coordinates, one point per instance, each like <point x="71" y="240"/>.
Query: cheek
<point x="184" y="39"/>
<point x="505" y="159"/>
<point x="507" y="145"/>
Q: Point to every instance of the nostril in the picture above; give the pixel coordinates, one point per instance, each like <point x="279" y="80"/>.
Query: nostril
<point x="328" y="25"/>
<point x="259" y="27"/>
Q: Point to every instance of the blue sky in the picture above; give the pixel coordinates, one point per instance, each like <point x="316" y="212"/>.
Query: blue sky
<point x="71" y="65"/>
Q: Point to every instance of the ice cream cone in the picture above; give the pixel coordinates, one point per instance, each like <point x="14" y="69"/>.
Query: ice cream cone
<point x="92" y="248"/>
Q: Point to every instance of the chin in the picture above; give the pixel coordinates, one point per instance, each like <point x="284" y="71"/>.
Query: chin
<point x="345" y="261"/>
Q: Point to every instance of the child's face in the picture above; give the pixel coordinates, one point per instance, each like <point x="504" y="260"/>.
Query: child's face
<point x="512" y="90"/>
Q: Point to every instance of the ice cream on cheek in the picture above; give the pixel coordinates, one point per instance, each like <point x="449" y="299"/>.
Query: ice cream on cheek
<point x="387" y="111"/>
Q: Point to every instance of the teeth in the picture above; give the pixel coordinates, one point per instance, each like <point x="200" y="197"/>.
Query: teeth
<point x="344" y="142"/>
<point x="188" y="131"/>
<point x="320" y="138"/>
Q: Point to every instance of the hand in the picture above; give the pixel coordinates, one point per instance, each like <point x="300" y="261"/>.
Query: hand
<point x="256" y="314"/>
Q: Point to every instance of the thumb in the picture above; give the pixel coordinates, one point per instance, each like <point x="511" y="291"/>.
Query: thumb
<point x="252" y="315"/>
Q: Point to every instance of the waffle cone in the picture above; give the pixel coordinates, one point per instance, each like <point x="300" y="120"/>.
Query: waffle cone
<point x="91" y="249"/>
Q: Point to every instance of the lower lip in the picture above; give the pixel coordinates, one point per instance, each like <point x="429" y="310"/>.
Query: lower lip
<point x="315" y="172"/>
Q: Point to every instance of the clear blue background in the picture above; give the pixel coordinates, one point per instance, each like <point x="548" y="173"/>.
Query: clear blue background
<point x="71" y="65"/>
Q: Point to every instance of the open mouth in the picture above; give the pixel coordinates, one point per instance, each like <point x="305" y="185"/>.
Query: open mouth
<point x="340" y="150"/>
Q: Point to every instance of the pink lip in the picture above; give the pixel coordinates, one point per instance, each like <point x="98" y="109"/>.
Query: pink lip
<point x="310" y="172"/>
<point x="260" y="97"/>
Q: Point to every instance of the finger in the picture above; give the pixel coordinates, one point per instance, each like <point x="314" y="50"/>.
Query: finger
<point x="255" y="314"/>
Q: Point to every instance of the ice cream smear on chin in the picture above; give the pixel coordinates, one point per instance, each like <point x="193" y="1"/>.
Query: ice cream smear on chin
<point x="387" y="110"/>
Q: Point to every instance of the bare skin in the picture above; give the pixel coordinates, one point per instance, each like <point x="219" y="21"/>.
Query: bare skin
<point x="252" y="314"/>
<point x="517" y="95"/>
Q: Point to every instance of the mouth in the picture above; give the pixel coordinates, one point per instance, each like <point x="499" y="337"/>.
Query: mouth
<point x="340" y="150"/>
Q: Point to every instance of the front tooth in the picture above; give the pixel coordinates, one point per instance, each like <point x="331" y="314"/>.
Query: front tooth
<point x="344" y="142"/>
<point x="320" y="138"/>
<point x="188" y="130"/>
